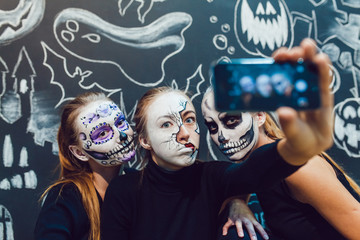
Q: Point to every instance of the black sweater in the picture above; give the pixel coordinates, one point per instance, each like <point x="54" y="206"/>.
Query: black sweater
<point x="163" y="205"/>
<point x="62" y="216"/>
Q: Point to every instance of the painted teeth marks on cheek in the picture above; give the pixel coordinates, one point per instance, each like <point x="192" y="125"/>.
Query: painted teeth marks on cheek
<point x="233" y="147"/>
<point x="121" y="150"/>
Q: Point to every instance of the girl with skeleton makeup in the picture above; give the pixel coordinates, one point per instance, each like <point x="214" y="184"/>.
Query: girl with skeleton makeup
<point x="94" y="141"/>
<point x="174" y="196"/>
<point x="319" y="201"/>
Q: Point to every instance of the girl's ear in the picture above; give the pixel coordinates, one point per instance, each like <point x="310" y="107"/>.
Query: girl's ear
<point x="261" y="118"/>
<point x="78" y="153"/>
<point x="144" y="143"/>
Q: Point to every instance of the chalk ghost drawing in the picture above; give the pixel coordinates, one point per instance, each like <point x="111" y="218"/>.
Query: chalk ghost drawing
<point x="262" y="26"/>
<point x="149" y="46"/>
<point x="143" y="9"/>
<point x="20" y="21"/>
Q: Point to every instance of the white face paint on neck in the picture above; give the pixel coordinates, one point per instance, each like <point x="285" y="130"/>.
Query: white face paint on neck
<point x="172" y="131"/>
<point x="105" y="134"/>
<point x="235" y="135"/>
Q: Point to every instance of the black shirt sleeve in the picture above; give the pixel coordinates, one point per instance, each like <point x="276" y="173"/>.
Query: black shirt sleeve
<point x="62" y="215"/>
<point x="263" y="169"/>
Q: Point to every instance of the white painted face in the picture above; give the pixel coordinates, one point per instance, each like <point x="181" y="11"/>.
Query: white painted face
<point x="263" y="85"/>
<point x="172" y="131"/>
<point x="235" y="135"/>
<point x="105" y="134"/>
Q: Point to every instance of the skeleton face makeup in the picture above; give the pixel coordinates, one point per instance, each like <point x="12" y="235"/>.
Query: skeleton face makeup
<point x="105" y="134"/>
<point x="172" y="131"/>
<point x="235" y="135"/>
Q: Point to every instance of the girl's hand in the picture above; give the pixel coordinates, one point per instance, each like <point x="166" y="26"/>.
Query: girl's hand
<point x="240" y="215"/>
<point x="307" y="132"/>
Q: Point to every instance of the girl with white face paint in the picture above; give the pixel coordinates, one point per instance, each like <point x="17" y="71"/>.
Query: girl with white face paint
<point x="94" y="140"/>
<point x="295" y="208"/>
<point x="174" y="196"/>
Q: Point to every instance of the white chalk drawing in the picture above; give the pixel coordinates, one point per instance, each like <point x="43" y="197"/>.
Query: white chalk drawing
<point x="143" y="9"/>
<point x="351" y="3"/>
<point x="156" y="42"/>
<point x="53" y="60"/>
<point x="6" y="224"/>
<point x="194" y="82"/>
<point x="263" y="26"/>
<point x="21" y="20"/>
<point x="10" y="108"/>
<point x="220" y="41"/>
<point x="347" y="121"/>
<point x="28" y="180"/>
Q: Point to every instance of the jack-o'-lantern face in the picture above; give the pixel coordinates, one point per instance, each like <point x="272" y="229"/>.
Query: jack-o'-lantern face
<point x="263" y="26"/>
<point x="16" y="20"/>
<point x="347" y="126"/>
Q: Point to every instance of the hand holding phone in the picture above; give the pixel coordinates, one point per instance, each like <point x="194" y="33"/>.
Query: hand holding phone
<point x="261" y="84"/>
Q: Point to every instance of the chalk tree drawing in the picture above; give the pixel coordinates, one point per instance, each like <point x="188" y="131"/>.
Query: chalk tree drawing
<point x="157" y="41"/>
<point x="143" y="9"/>
<point x="21" y="20"/>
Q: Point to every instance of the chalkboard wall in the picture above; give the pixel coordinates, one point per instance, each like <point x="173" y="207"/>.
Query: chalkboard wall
<point x="50" y="51"/>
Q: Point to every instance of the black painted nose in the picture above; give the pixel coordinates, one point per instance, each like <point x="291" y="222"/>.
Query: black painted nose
<point x="123" y="136"/>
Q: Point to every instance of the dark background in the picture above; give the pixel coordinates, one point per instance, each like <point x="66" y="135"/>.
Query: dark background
<point x="58" y="49"/>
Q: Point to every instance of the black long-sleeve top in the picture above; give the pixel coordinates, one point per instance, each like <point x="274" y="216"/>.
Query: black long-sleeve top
<point x="63" y="216"/>
<point x="162" y="205"/>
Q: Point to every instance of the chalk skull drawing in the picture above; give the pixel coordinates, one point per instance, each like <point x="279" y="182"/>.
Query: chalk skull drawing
<point x="21" y="20"/>
<point x="262" y="26"/>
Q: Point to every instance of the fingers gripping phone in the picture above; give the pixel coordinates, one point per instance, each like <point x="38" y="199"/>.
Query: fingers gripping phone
<point x="261" y="84"/>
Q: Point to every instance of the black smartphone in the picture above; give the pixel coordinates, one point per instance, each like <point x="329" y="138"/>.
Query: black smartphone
<point x="261" y="84"/>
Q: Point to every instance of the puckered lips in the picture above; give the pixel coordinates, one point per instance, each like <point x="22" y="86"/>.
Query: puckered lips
<point x="190" y="145"/>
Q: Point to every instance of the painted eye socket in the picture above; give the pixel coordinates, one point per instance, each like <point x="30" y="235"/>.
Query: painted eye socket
<point x="232" y="121"/>
<point x="102" y="134"/>
<point x="212" y="126"/>
<point x="121" y="123"/>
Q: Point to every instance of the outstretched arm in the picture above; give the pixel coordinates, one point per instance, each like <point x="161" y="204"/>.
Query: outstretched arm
<point x="307" y="133"/>
<point x="328" y="196"/>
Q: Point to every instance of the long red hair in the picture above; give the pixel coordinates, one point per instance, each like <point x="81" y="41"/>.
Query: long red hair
<point x="72" y="170"/>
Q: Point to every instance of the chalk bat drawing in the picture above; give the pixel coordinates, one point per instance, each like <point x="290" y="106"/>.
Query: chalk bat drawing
<point x="29" y="178"/>
<point x="149" y="46"/>
<point x="194" y="82"/>
<point x="143" y="9"/>
<point x="6" y="224"/>
<point x="69" y="82"/>
<point x="20" y="21"/>
<point x="263" y="26"/>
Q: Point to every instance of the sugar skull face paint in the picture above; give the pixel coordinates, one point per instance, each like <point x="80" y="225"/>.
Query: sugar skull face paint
<point x="172" y="131"/>
<point x="105" y="134"/>
<point x="235" y="135"/>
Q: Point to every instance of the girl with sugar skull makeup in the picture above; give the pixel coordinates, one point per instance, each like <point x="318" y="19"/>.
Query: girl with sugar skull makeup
<point x="94" y="140"/>
<point x="174" y="196"/>
<point x="319" y="201"/>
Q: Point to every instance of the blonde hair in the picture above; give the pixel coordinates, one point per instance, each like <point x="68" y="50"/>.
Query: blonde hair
<point x="273" y="131"/>
<point x="73" y="170"/>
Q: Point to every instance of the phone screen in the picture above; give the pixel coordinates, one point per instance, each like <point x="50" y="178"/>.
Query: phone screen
<point x="263" y="85"/>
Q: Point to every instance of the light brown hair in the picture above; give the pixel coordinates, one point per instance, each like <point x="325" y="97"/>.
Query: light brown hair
<point x="73" y="170"/>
